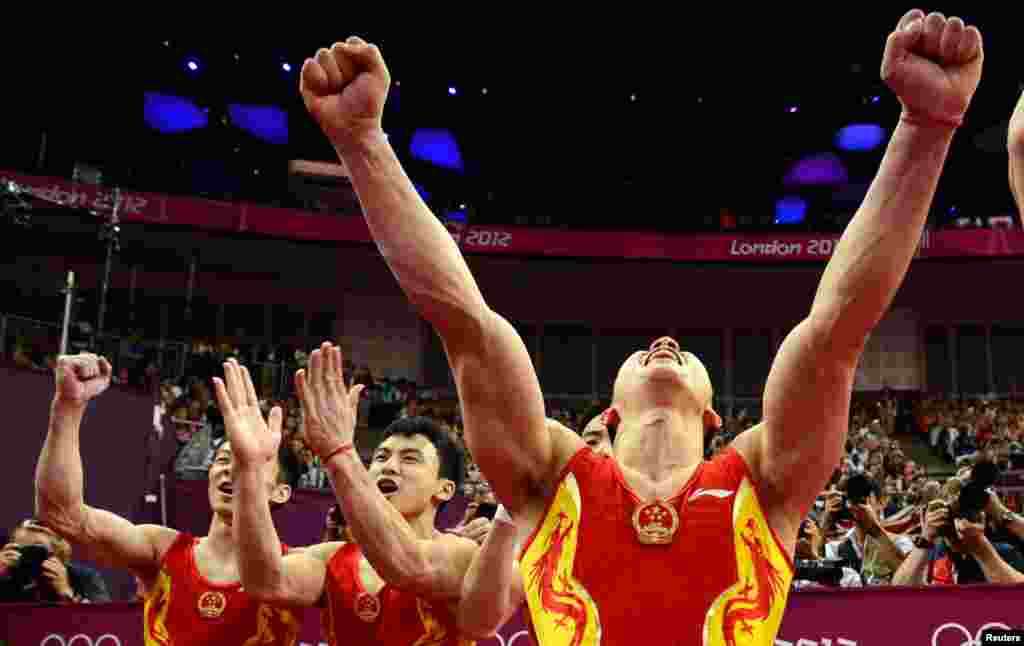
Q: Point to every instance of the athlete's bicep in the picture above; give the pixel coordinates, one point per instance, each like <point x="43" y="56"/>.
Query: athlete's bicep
<point x="449" y="559"/>
<point x="502" y="409"/>
<point x="806" y="409"/>
<point x="304" y="574"/>
<point x="113" y="541"/>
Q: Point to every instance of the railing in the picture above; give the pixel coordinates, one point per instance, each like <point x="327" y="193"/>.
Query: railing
<point x="30" y="342"/>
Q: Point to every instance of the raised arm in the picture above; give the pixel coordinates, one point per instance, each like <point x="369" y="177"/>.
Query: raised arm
<point x="934" y="66"/>
<point x="105" y="537"/>
<point x="296" y="579"/>
<point x="345" y="89"/>
<point x="972" y="537"/>
<point x="492" y="590"/>
<point x="432" y="568"/>
<point x="1015" y="145"/>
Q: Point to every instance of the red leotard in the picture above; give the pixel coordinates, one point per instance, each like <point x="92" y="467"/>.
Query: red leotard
<point x="723" y="580"/>
<point x="392" y="617"/>
<point x="185" y="609"/>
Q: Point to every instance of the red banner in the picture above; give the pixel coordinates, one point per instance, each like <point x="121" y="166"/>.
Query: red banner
<point x="524" y="241"/>
<point x="936" y="616"/>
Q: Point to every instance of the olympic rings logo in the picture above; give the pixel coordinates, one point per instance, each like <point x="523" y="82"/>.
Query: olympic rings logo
<point x="54" y="639"/>
<point x="511" y="638"/>
<point x="968" y="640"/>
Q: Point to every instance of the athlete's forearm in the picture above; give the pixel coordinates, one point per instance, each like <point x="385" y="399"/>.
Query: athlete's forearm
<point x="385" y="537"/>
<point x="419" y="250"/>
<point x="59" y="479"/>
<point x="491" y="591"/>
<point x="875" y="251"/>
<point x="1015" y="147"/>
<point x="995" y="568"/>
<point x="913" y="570"/>
<point x="888" y="552"/>
<point x="259" y="546"/>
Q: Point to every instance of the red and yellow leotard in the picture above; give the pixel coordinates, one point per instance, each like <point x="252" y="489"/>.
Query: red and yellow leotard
<point x="183" y="608"/>
<point x="718" y="577"/>
<point x="392" y="617"/>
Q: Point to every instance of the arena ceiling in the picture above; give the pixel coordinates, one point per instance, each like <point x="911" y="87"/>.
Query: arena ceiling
<point x="656" y="119"/>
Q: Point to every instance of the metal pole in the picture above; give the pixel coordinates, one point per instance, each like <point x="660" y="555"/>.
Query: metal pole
<point x="163" y="500"/>
<point x="41" y="159"/>
<point x="190" y="287"/>
<point x="69" y="296"/>
<point x="111" y="241"/>
<point x="132" y="285"/>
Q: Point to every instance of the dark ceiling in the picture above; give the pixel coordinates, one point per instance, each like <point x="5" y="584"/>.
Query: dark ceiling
<point x="556" y="137"/>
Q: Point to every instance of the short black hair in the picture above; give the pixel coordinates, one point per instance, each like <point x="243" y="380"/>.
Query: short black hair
<point x="451" y="457"/>
<point x="593" y="412"/>
<point x="859" y="486"/>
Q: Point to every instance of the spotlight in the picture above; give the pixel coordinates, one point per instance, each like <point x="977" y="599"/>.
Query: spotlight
<point x="192" y="65"/>
<point x="286" y="67"/>
<point x="452" y="91"/>
<point x="792" y="109"/>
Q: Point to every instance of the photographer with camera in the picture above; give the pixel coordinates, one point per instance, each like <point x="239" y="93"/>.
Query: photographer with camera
<point x="812" y="569"/>
<point x="867" y="547"/>
<point x="35" y="566"/>
<point x="953" y="547"/>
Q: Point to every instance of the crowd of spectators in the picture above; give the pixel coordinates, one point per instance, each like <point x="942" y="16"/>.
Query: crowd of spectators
<point x="861" y="530"/>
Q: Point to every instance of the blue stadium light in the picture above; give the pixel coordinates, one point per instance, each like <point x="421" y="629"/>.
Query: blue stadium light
<point x="192" y="64"/>
<point x="818" y="170"/>
<point x="790" y="210"/>
<point x="452" y="91"/>
<point x="438" y="147"/>
<point x="286" y="67"/>
<point x="171" y="114"/>
<point x="424" y="194"/>
<point x="860" y="137"/>
<point x="266" y="122"/>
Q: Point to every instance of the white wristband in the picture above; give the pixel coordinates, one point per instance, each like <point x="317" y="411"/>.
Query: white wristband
<point x="502" y="516"/>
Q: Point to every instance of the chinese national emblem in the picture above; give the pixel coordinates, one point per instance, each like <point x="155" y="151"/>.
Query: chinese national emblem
<point x="212" y="604"/>
<point x="655" y="522"/>
<point x="367" y="607"/>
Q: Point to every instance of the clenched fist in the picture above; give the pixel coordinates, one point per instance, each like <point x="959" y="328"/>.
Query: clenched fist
<point x="80" y="377"/>
<point x="933" y="64"/>
<point x="345" y="88"/>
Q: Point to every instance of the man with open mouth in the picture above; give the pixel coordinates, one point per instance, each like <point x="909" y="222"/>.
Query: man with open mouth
<point x="190" y="585"/>
<point x="707" y="546"/>
<point x="402" y="581"/>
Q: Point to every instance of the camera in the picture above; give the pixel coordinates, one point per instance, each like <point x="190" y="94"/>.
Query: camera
<point x="858" y="489"/>
<point x="485" y="510"/>
<point x="967" y="499"/>
<point x="22" y="578"/>
<point x="30" y="565"/>
<point x="824" y="571"/>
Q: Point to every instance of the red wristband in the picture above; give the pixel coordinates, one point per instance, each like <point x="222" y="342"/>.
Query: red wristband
<point x="931" y="121"/>
<point x="340" y="449"/>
